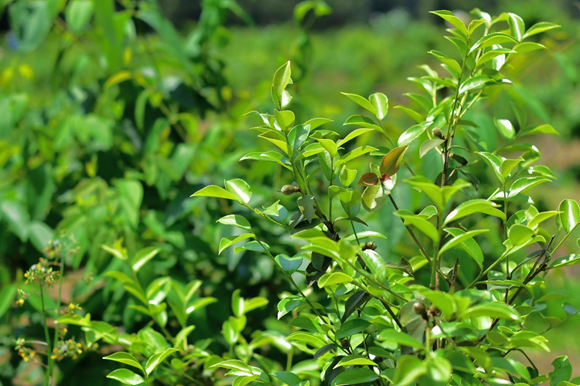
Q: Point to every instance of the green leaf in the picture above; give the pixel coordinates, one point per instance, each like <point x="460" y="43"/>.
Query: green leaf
<point x="409" y="369"/>
<point x="491" y="310"/>
<point x="451" y="63"/>
<point x="429" y="145"/>
<point x="285" y="119"/>
<point x="289" y="264"/>
<point x="126" y="358"/>
<point x="279" y="83"/>
<point x="352" y="135"/>
<point x="198" y="304"/>
<point x="522" y="185"/>
<point x="562" y="371"/>
<point x="359" y="151"/>
<point x="439" y="370"/>
<point x="214" y="191"/>
<point x="392" y="160"/>
<point x="306" y="206"/>
<point x="252" y="304"/>
<point x="505" y="128"/>
<point x="421" y="223"/>
<point x="347" y="176"/>
<point x="517" y="26"/>
<point x="355" y="360"/>
<point x="17" y="218"/>
<point x="351" y="327"/>
<point x="239" y="189"/>
<point x="355" y="376"/>
<point x="126" y="377"/>
<point x="362" y="121"/>
<point x="494" y="162"/>
<point x="157" y="359"/>
<point x="7" y="295"/>
<point x="400" y="338"/>
<point x="142" y="257"/>
<point x="362" y="102"/>
<point x="474" y="83"/>
<point x="569" y="214"/>
<point x="380" y="103"/>
<point x="235" y="220"/>
<point x="412" y="133"/>
<point x="460" y="239"/>
<point x="77" y="15"/>
<point x="328" y="145"/>
<point x="469" y="245"/>
<point x="227" y="242"/>
<point x="333" y="278"/>
<point x="520" y="234"/>
<point x="449" y="17"/>
<point x="539" y="28"/>
<point x="542" y="129"/>
<point x="474" y="206"/>
<point x="492" y="39"/>
<point x="373" y="261"/>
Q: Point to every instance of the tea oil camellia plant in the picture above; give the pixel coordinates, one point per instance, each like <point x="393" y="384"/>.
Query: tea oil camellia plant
<point x="463" y="300"/>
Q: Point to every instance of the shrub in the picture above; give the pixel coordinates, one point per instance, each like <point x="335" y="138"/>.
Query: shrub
<point x="466" y="290"/>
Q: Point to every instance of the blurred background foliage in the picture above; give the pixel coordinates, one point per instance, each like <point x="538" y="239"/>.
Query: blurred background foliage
<point x="114" y="112"/>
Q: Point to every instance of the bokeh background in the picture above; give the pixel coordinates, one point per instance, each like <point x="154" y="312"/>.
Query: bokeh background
<point x="108" y="124"/>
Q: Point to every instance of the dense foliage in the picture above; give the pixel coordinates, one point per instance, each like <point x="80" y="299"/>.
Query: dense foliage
<point x="105" y="136"/>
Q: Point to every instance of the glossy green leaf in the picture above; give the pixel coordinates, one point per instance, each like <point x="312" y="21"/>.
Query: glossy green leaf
<point x="142" y="257"/>
<point x="279" y="83"/>
<point x="470" y="207"/>
<point x="400" y="338"/>
<point x="457" y="240"/>
<point x="539" y="28"/>
<point x="227" y="242"/>
<point x="380" y="102"/>
<point x="351" y="327"/>
<point x="409" y="369"/>
<point x="126" y="377"/>
<point x="449" y="17"/>
<point x="235" y="220"/>
<point x="126" y="358"/>
<point x="157" y="359"/>
<point x="491" y="310"/>
<point x="239" y="189"/>
<point x="214" y="191"/>
<point x="412" y="133"/>
<point x="362" y="102"/>
<point x="569" y="214"/>
<point x="355" y="376"/>
<point x="492" y="39"/>
<point x="333" y="278"/>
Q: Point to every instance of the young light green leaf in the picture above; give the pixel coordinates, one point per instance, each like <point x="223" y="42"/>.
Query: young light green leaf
<point x="517" y="26"/>
<point x="126" y="358"/>
<point x="491" y="310"/>
<point x="400" y="338"/>
<point x="569" y="214"/>
<point x="505" y="128"/>
<point x="362" y="102"/>
<point x="352" y="135"/>
<point x="142" y="257"/>
<point x="449" y="17"/>
<point x="235" y="220"/>
<point x="214" y="191"/>
<point x="157" y="359"/>
<point x="412" y="133"/>
<point x="333" y="278"/>
<point x="227" y="242"/>
<point x="455" y="241"/>
<point x="539" y="28"/>
<point x="279" y="83"/>
<point x="380" y="102"/>
<point x="428" y="145"/>
<point x="239" y="189"/>
<point x="126" y="377"/>
<point x="474" y="206"/>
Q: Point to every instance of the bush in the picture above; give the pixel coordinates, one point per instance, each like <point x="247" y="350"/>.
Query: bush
<point x="469" y="289"/>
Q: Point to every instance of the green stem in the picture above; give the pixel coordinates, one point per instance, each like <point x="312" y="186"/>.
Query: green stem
<point x="48" y="375"/>
<point x="59" y="299"/>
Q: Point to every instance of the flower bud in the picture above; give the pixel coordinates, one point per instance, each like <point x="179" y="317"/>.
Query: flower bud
<point x="438" y="133"/>
<point x="289" y="190"/>
<point x="369" y="245"/>
<point x="419" y="309"/>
